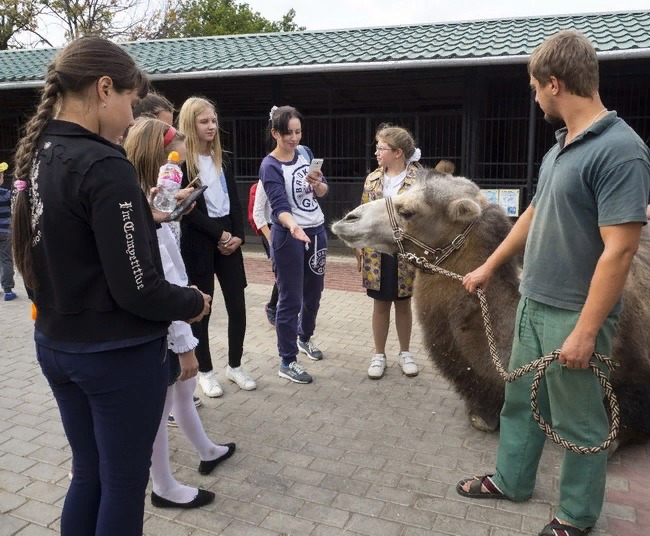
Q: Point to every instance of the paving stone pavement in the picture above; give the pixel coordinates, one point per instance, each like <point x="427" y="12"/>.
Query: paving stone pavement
<point x="343" y="456"/>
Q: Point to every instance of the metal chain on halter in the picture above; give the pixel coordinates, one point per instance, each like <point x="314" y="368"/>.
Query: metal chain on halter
<point x="539" y="365"/>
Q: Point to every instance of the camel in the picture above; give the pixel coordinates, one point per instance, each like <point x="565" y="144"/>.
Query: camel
<point x="437" y="209"/>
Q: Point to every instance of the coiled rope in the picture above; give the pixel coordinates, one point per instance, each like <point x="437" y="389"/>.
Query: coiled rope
<point x="538" y="365"/>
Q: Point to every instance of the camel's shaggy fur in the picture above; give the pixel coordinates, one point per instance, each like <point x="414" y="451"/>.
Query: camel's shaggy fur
<point x="437" y="209"/>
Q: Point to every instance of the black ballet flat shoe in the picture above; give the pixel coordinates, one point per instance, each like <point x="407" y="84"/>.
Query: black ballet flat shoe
<point x="205" y="468"/>
<point x="202" y="498"/>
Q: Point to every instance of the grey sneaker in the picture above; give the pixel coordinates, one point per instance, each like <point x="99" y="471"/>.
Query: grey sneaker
<point x="409" y="368"/>
<point x="271" y="313"/>
<point x="295" y="373"/>
<point x="377" y="366"/>
<point x="309" y="349"/>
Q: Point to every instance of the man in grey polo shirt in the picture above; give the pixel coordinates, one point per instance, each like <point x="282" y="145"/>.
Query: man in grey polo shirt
<point x="579" y="234"/>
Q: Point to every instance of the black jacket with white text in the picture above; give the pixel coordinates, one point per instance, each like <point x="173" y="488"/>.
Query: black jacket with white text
<point x="95" y="249"/>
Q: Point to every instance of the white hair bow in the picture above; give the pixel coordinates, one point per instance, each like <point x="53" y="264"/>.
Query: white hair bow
<point x="417" y="154"/>
<point x="273" y="109"/>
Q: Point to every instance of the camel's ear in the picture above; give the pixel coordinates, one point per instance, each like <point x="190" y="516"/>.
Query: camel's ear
<point x="464" y="210"/>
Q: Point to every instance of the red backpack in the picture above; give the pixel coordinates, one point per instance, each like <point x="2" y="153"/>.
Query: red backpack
<point x="251" y="204"/>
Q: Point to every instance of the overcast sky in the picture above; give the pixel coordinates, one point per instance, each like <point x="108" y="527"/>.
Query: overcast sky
<point x="331" y="14"/>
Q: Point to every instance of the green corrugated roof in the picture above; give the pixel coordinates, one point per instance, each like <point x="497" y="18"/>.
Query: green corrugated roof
<point x="623" y="34"/>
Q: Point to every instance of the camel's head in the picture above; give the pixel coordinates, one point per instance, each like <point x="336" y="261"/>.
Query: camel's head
<point x="434" y="210"/>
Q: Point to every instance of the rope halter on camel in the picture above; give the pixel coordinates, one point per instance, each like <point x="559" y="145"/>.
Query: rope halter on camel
<point x="538" y="365"/>
<point x="439" y="254"/>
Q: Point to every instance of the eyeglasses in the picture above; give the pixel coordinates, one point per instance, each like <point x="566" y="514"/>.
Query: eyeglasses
<point x="379" y="149"/>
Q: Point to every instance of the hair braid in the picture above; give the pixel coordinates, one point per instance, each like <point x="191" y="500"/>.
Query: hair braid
<point x="35" y="126"/>
<point x="22" y="226"/>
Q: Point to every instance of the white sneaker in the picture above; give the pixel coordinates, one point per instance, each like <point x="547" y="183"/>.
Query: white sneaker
<point x="241" y="378"/>
<point x="377" y="366"/>
<point x="409" y="368"/>
<point x="209" y="384"/>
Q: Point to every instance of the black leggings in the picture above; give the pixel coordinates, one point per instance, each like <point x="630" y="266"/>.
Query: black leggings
<point x="273" y="302"/>
<point x="229" y="270"/>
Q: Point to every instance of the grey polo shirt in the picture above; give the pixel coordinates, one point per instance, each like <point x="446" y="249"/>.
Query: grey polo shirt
<point x="601" y="178"/>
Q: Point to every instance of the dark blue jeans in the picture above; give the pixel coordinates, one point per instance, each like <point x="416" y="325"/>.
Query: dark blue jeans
<point x="6" y="262"/>
<point x="111" y="404"/>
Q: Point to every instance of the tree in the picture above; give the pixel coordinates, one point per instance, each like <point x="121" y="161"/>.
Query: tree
<point x="49" y="22"/>
<point x="16" y="17"/>
<point x="109" y="18"/>
<point x="36" y="22"/>
<point x="196" y="18"/>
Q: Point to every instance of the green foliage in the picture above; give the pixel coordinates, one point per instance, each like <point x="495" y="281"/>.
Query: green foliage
<point x="131" y="19"/>
<point x="196" y="18"/>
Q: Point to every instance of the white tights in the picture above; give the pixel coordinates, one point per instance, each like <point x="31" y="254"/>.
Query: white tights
<point x="179" y="397"/>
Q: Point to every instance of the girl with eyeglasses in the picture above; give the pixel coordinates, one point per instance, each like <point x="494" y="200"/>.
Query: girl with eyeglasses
<point x="389" y="280"/>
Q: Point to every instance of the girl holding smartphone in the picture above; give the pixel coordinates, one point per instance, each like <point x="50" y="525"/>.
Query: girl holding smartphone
<point x="147" y="145"/>
<point x="298" y="239"/>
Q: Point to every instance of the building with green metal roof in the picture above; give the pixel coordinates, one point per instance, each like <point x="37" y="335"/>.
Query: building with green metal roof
<point x="462" y="88"/>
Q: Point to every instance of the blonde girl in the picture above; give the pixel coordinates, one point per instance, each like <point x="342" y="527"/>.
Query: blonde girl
<point x="211" y="239"/>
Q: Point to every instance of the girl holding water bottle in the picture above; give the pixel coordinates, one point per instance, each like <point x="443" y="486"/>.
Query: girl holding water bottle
<point x="146" y="146"/>
<point x="211" y="239"/>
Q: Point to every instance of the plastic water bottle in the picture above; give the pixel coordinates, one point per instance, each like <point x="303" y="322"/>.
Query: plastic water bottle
<point x="169" y="182"/>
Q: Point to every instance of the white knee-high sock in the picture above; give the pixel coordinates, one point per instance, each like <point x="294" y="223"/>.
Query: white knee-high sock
<point x="189" y="422"/>
<point x="164" y="484"/>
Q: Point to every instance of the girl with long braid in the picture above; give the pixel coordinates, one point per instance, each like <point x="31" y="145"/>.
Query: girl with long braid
<point x="85" y="243"/>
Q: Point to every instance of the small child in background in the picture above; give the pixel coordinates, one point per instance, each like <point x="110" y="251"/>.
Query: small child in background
<point x="445" y="166"/>
<point x="147" y="145"/>
<point x="6" y="255"/>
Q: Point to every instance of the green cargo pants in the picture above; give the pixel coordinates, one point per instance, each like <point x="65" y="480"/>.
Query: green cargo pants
<point x="570" y="400"/>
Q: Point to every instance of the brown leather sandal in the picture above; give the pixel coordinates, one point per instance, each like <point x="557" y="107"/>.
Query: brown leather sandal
<point x="556" y="524"/>
<point x="475" y="491"/>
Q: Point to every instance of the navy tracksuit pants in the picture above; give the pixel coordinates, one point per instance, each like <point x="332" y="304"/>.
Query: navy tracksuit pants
<point x="300" y="276"/>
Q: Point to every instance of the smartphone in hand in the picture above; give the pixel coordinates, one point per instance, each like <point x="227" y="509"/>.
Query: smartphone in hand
<point x="187" y="202"/>
<point x="316" y="164"/>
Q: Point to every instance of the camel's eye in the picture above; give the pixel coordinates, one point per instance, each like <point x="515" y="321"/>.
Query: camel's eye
<point x="405" y="213"/>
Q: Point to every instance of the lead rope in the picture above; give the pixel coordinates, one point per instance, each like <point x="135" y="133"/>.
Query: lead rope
<point x="539" y="365"/>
